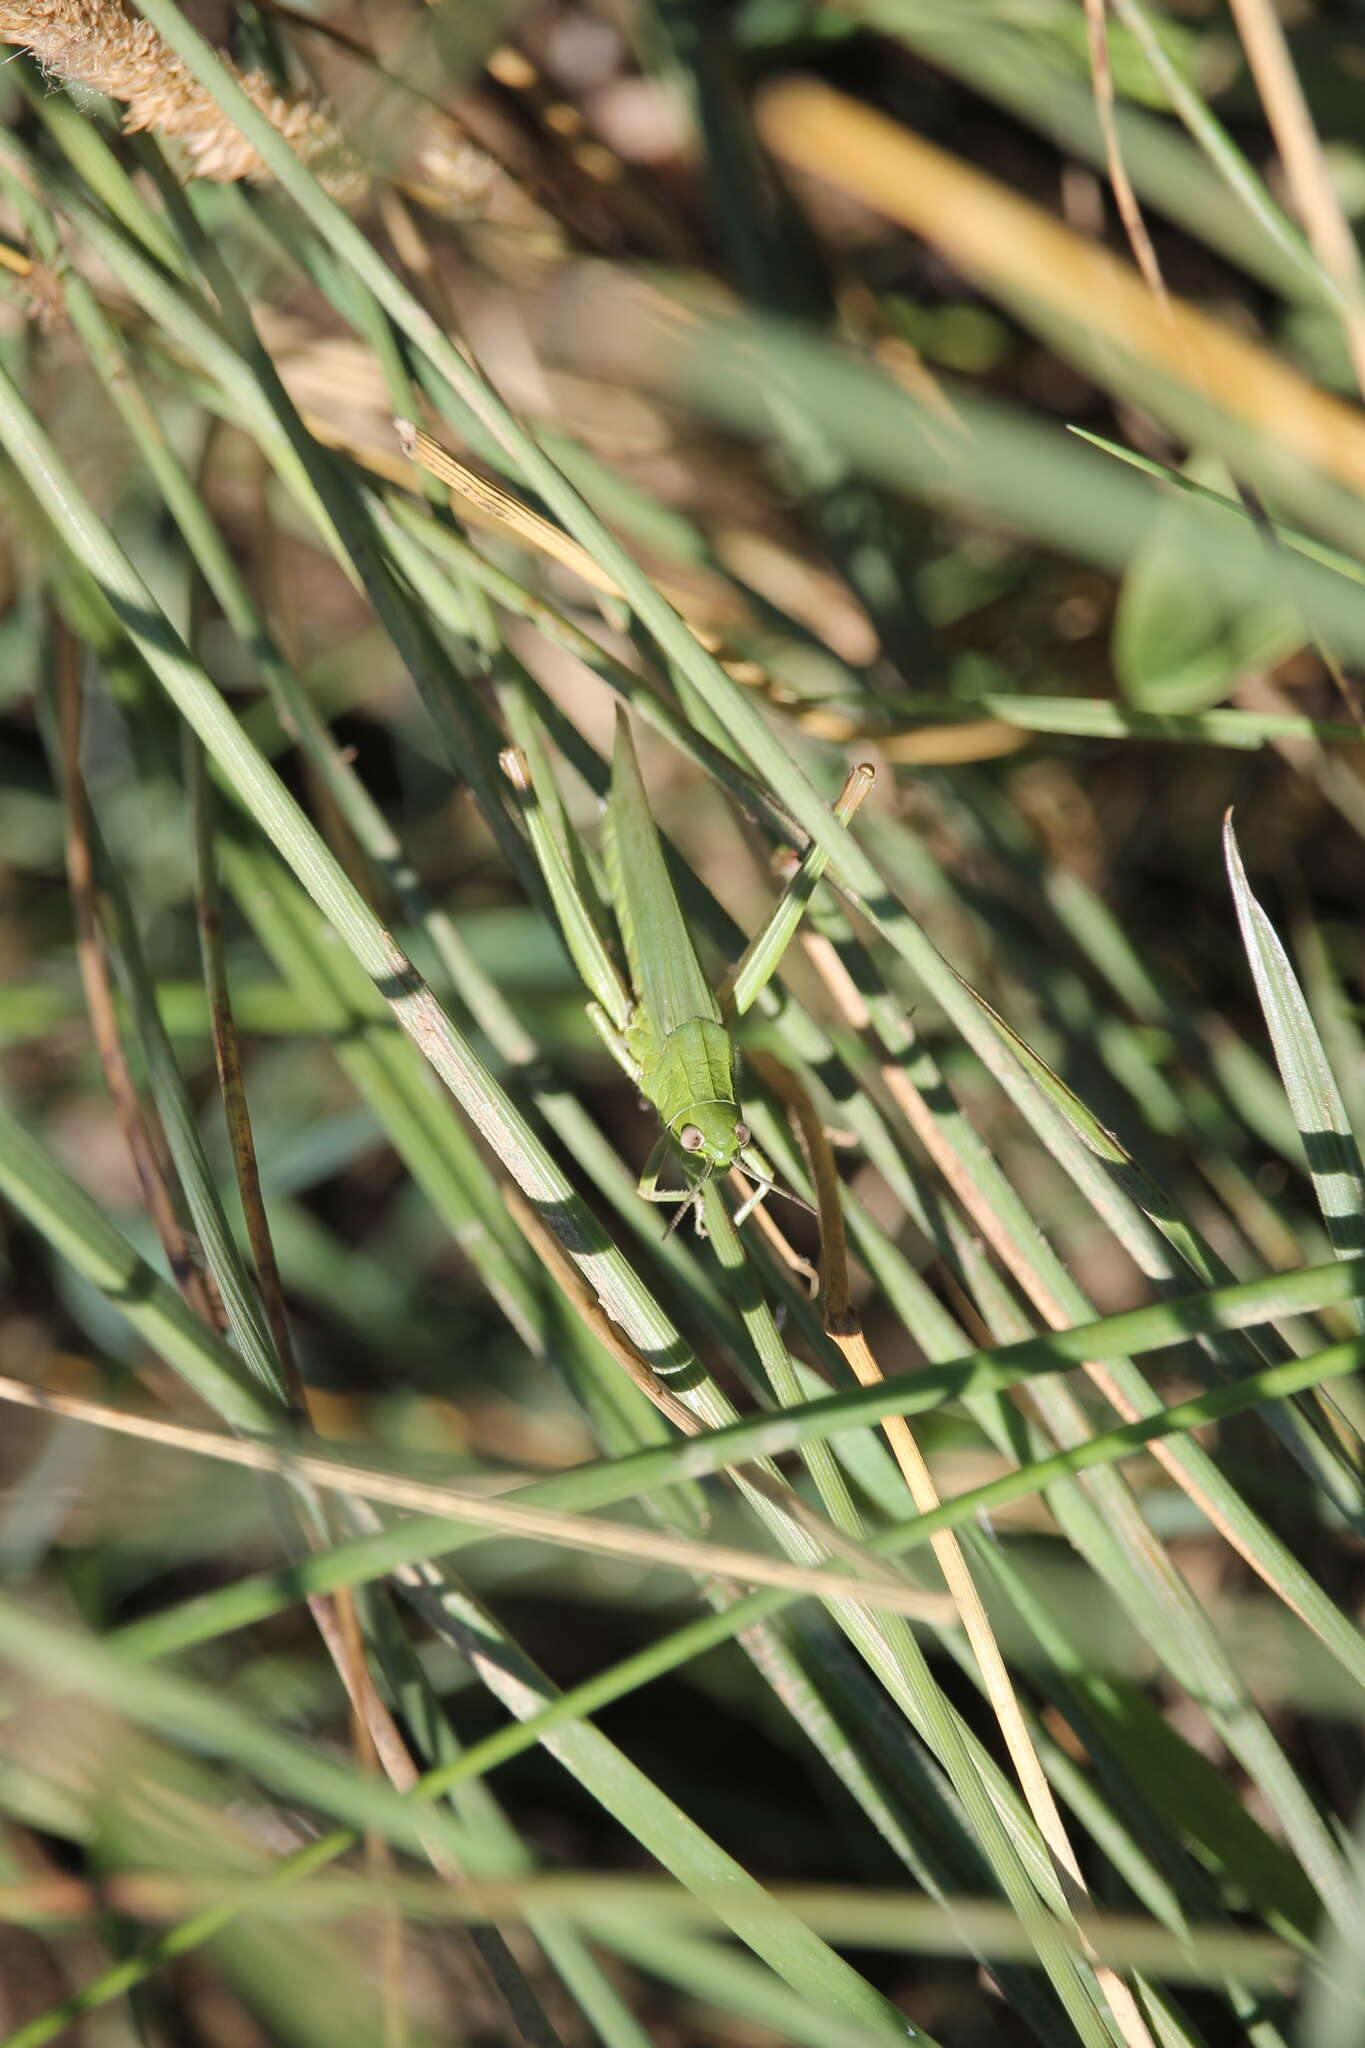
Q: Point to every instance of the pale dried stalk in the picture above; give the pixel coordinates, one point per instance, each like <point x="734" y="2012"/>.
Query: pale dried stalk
<point x="509" y="1517"/>
<point x="105" y="46"/>
<point x="999" y="1688"/>
<point x="1305" y="166"/>
<point x="843" y="1326"/>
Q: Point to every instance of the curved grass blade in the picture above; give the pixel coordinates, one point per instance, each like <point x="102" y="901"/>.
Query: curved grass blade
<point x="1329" y="1142"/>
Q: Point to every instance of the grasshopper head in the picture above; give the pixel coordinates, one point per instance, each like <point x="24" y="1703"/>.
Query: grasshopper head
<point x="711" y="1133"/>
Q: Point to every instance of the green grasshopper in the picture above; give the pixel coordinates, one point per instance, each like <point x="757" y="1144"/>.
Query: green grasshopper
<point x="667" y="1028"/>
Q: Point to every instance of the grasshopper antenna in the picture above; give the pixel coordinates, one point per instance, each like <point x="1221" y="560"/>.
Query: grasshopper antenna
<point x="770" y="1186"/>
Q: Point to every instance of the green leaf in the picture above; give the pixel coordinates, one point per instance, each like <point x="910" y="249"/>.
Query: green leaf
<point x="1178" y="644"/>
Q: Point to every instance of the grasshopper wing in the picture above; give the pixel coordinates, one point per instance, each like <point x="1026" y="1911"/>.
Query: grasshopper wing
<point x="669" y="984"/>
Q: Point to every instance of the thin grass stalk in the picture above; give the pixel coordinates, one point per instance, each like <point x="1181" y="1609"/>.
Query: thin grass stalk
<point x="593" y="1898"/>
<point x="1098" y="718"/>
<point x="241" y="1306"/>
<point x="1125" y="198"/>
<point x="881" y="1589"/>
<point x="227" y="1057"/>
<point x="1203" y="126"/>
<point x="99" y="1000"/>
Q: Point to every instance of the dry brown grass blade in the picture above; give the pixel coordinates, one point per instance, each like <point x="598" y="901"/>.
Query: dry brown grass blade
<point x="1008" y="243"/>
<point x="1125" y="198"/>
<point x="939" y="1926"/>
<point x="576" y="1291"/>
<point x="488" y="505"/>
<point x="381" y="1865"/>
<point x="140" y="1130"/>
<point x="232" y="1087"/>
<point x="805" y="589"/>
<point x="425" y="274"/>
<point x="779" y="1079"/>
<point x="924" y="746"/>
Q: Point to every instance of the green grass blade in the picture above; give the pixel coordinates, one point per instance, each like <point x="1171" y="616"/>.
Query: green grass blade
<point x="1314" y="1097"/>
<point x="53" y="1203"/>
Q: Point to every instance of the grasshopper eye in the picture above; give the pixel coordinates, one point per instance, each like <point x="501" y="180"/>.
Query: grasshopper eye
<point x="690" y="1138"/>
<point x="742" y="1132"/>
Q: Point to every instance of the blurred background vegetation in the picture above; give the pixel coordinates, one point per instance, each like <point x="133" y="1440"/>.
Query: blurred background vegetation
<point x="979" y="382"/>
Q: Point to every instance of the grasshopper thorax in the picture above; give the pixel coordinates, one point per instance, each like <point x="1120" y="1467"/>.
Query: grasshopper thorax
<point x="710" y="1133"/>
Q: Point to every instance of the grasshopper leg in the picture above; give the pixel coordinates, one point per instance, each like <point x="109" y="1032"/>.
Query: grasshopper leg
<point x="686" y="1198"/>
<point x="746" y="1208"/>
<point x="614" y="1041"/>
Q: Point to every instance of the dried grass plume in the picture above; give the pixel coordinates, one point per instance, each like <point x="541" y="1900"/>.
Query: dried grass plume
<point x="104" y="45"/>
